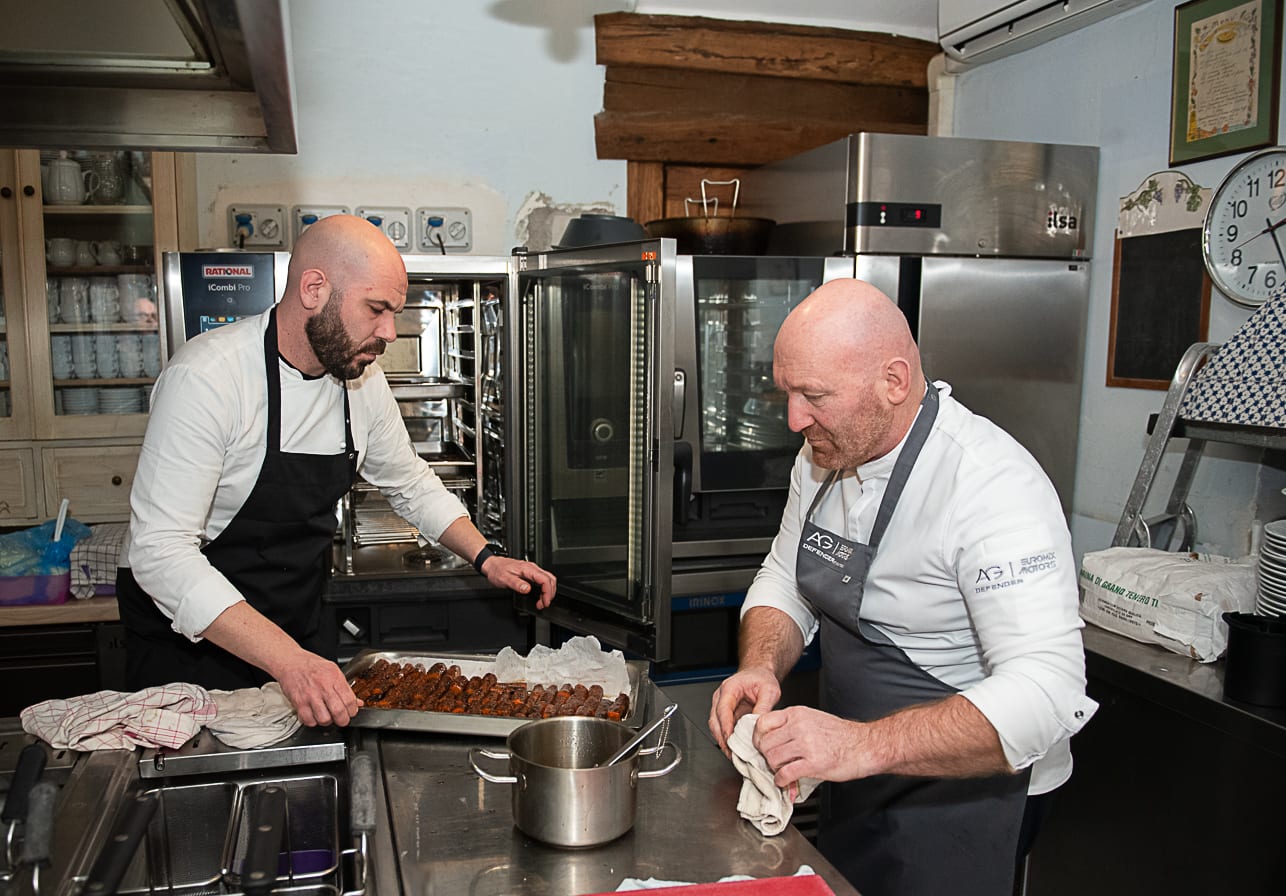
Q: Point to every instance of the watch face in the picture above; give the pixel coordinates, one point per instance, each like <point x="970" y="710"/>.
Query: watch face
<point x="1244" y="240"/>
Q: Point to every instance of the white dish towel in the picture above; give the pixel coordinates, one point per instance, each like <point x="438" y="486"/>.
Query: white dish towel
<point x="762" y="803"/>
<point x="253" y="717"/>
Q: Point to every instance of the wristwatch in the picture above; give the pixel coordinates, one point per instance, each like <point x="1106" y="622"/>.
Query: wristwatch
<point x="490" y="549"/>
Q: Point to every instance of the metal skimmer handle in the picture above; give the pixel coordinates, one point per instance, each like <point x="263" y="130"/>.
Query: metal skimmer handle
<point x="633" y="743"/>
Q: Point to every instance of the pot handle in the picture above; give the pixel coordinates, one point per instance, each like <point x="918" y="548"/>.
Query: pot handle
<point x="661" y="772"/>
<point x="487" y="776"/>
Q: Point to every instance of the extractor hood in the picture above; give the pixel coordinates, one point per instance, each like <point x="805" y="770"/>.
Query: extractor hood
<point x="146" y="74"/>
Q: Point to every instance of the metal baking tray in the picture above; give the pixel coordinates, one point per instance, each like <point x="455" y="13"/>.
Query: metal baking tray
<point x="461" y="723"/>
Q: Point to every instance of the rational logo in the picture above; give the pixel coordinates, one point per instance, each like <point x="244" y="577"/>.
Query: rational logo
<point x="212" y="271"/>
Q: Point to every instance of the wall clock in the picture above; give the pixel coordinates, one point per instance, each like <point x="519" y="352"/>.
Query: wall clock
<point x="1244" y="238"/>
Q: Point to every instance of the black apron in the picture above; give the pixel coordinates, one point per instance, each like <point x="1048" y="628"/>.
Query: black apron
<point x="275" y="551"/>
<point x="892" y="835"/>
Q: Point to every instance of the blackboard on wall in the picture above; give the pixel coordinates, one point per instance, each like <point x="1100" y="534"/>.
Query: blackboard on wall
<point x="1160" y="306"/>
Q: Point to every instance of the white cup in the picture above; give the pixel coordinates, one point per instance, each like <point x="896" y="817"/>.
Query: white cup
<point x="151" y="354"/>
<point x="106" y="251"/>
<point x="60" y="353"/>
<point x="73" y="300"/>
<point x="83" y="361"/>
<point x="105" y="356"/>
<point x="60" y="251"/>
<point x="85" y="254"/>
<point x="104" y="301"/>
<point x="66" y="181"/>
<point x="129" y="354"/>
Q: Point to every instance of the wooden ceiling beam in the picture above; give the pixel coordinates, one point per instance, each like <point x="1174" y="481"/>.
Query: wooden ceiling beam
<point x="695" y="43"/>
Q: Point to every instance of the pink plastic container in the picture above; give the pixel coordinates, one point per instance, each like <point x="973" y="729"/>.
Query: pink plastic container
<point x="22" y="590"/>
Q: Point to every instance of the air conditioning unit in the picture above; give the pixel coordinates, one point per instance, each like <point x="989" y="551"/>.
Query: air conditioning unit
<point x="973" y="31"/>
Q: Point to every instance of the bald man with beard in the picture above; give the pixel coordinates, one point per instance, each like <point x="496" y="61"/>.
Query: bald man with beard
<point x="930" y="552"/>
<point x="257" y="429"/>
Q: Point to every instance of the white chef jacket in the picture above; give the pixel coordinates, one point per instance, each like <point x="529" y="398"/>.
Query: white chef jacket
<point x="974" y="580"/>
<point x="205" y="444"/>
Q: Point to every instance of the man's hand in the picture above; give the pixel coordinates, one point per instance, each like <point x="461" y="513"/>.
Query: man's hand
<point x="520" y="576"/>
<point x="317" y="689"/>
<point x="752" y="690"/>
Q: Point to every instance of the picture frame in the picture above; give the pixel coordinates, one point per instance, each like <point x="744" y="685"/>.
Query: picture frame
<point x="1226" y="71"/>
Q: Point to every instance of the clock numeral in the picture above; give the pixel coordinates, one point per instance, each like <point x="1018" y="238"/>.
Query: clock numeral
<point x="1252" y="186"/>
<point x="1240" y="207"/>
<point x="1251" y="279"/>
<point x="1277" y="178"/>
<point x="1270" y="279"/>
<point x="1231" y="233"/>
<point x="1235" y="258"/>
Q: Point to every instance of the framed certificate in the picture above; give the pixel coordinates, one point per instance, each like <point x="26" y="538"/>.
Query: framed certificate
<point x="1226" y="68"/>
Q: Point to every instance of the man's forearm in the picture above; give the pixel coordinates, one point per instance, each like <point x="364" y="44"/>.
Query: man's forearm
<point x="246" y="633"/>
<point x="769" y="638"/>
<point x="946" y="738"/>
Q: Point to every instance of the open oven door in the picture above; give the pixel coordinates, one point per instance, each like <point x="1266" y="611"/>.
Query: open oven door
<point x="591" y="417"/>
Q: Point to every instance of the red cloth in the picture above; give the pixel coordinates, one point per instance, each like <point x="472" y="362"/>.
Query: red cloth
<point x="165" y="716"/>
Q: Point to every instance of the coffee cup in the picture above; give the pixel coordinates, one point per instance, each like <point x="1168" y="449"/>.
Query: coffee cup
<point x="85" y="254"/>
<point x="51" y="299"/>
<point x="106" y="251"/>
<point x="60" y="252"/>
<point x="73" y="300"/>
<point x="104" y="300"/>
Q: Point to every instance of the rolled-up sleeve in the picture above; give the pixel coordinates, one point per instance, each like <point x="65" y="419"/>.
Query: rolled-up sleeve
<point x="1019" y="582"/>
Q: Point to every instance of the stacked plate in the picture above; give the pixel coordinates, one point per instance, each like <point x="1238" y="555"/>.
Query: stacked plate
<point x="120" y="401"/>
<point x="1271" y="598"/>
<point x="79" y="401"/>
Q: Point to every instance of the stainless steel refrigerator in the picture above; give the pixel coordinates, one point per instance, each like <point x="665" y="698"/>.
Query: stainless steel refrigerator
<point x="984" y="244"/>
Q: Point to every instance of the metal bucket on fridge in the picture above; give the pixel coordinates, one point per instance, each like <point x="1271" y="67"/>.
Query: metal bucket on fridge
<point x="560" y="796"/>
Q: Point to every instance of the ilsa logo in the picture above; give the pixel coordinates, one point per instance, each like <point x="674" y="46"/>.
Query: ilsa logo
<point x="1061" y="220"/>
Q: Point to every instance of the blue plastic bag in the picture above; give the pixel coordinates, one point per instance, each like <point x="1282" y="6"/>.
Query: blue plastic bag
<point x="33" y="552"/>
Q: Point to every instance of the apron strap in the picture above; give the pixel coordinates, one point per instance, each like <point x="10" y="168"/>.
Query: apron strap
<point x="906" y="461"/>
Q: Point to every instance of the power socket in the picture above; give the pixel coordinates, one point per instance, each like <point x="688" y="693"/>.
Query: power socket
<point x="305" y="216"/>
<point x="443" y="229"/>
<point x="260" y="227"/>
<point x="394" y="222"/>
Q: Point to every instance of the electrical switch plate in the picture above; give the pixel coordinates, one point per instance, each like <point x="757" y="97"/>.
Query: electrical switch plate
<point x="304" y="216"/>
<point x="395" y="222"/>
<point x="257" y="227"/>
<point x="438" y="229"/>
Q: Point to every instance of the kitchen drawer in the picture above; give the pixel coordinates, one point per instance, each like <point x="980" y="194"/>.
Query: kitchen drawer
<point x="18" y="495"/>
<point x="97" y="480"/>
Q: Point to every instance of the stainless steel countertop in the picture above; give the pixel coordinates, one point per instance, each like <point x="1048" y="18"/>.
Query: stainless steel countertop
<point x="454" y="832"/>
<point x="1181" y="684"/>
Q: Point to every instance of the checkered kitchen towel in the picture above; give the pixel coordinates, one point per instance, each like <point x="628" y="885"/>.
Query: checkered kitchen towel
<point x="94" y="560"/>
<point x="1244" y="384"/>
<point x="165" y="716"/>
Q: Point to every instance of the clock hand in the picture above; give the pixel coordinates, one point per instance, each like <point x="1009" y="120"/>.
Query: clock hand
<point x="1269" y="229"/>
<point x="1277" y="244"/>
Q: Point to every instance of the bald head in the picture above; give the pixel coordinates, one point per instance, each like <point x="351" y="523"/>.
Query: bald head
<point x="852" y="324"/>
<point x="347" y="248"/>
<point x="851" y="372"/>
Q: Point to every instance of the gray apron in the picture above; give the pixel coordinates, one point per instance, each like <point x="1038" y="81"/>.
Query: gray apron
<point x="892" y="835"/>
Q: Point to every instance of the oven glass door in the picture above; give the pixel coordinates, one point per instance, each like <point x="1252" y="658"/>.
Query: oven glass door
<point x="595" y="396"/>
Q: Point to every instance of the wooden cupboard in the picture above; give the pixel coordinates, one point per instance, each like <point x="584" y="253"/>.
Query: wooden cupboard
<point x="80" y="339"/>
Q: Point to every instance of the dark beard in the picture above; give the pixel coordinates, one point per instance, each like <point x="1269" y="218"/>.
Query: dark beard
<point x="331" y="344"/>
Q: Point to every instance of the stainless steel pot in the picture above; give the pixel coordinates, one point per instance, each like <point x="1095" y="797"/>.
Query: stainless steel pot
<point x="559" y="797"/>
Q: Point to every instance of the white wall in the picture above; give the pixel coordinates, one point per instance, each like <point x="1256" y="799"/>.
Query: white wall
<point x="485" y="104"/>
<point x="1109" y="85"/>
